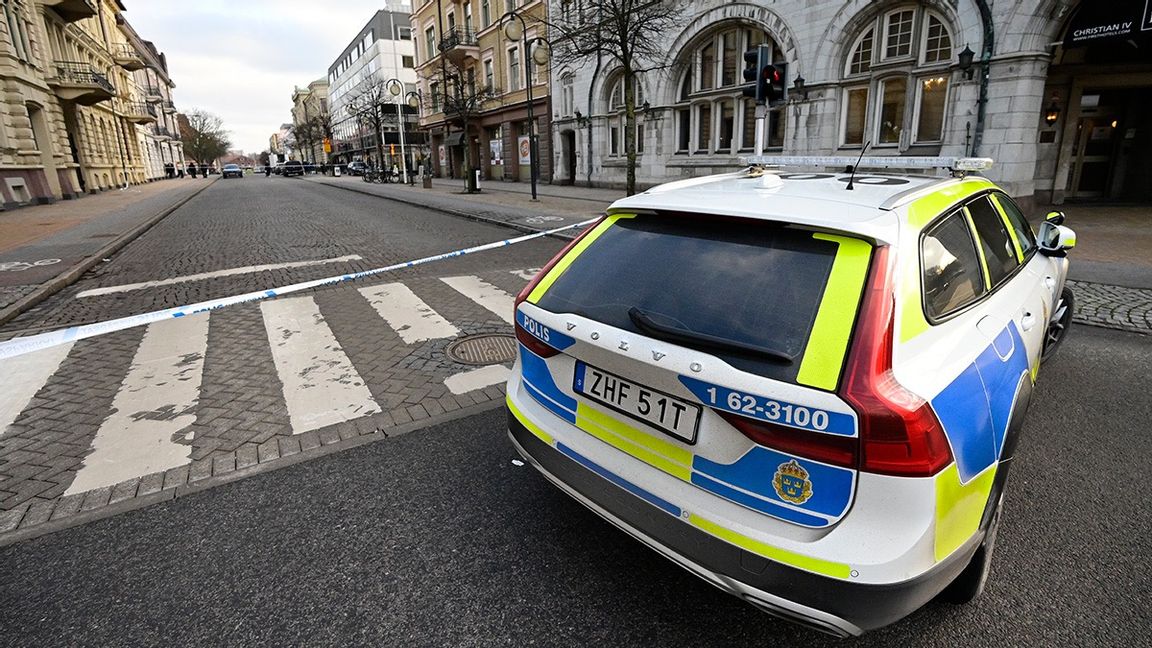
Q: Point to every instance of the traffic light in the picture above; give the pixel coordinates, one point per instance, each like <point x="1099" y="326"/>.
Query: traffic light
<point x="755" y="62"/>
<point x="776" y="80"/>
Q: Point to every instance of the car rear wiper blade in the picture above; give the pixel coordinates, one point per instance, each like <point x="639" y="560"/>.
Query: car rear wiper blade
<point x="674" y="334"/>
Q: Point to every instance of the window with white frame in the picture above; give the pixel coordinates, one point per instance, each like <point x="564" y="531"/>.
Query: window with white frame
<point x="513" y="69"/>
<point x="489" y="75"/>
<point x="485" y="14"/>
<point x="617" y="144"/>
<point x="567" y="95"/>
<point x="904" y="102"/>
<point x="429" y="43"/>
<point x="712" y="116"/>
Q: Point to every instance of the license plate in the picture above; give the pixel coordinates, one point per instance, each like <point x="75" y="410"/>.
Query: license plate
<point x="669" y="414"/>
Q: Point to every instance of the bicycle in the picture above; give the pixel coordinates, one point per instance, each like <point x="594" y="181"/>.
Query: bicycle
<point x="371" y="175"/>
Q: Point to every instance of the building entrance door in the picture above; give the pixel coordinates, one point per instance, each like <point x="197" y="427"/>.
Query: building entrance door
<point x="1112" y="152"/>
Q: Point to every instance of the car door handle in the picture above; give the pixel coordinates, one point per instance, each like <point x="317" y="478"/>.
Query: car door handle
<point x="1028" y="321"/>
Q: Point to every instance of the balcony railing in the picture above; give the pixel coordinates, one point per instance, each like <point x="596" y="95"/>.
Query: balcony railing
<point x="169" y="107"/>
<point x="138" y="112"/>
<point x="153" y="94"/>
<point x="80" y="82"/>
<point x="128" y="57"/>
<point x="458" y="37"/>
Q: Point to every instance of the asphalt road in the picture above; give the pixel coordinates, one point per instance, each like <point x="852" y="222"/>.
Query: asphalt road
<point x="437" y="539"/>
<point x="258" y="221"/>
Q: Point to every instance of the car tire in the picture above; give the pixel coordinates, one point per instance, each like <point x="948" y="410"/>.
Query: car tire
<point x="970" y="583"/>
<point x="1058" y="327"/>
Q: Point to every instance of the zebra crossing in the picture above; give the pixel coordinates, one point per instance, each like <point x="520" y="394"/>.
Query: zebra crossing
<point x="158" y="421"/>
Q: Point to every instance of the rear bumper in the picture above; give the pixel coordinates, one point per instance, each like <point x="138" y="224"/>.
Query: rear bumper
<point x="834" y="606"/>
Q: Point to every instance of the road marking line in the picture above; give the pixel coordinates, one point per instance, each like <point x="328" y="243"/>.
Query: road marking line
<point x="153" y="406"/>
<point x="94" y="292"/>
<point x="485" y="294"/>
<point x="408" y="315"/>
<point x="23" y="345"/>
<point x="467" y="381"/>
<point x="321" y="387"/>
<point x="526" y="274"/>
<point x="23" y="377"/>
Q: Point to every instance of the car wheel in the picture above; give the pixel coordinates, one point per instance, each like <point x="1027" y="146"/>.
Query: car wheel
<point x="970" y="583"/>
<point x="1058" y="327"/>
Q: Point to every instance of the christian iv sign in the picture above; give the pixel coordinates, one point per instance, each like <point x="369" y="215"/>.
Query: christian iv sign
<point x="1108" y="21"/>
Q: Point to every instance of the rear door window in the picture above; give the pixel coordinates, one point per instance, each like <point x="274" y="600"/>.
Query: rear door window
<point x="995" y="241"/>
<point x="1025" y="237"/>
<point x="953" y="277"/>
<point x="751" y="283"/>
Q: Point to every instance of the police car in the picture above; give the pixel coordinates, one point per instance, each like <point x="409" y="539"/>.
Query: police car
<point x="805" y="387"/>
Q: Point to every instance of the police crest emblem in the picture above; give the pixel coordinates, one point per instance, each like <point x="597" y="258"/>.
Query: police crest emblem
<point x="791" y="483"/>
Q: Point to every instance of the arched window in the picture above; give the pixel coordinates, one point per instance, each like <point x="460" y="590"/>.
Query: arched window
<point x="616" y="120"/>
<point x="567" y="95"/>
<point x="712" y="115"/>
<point x="896" y="80"/>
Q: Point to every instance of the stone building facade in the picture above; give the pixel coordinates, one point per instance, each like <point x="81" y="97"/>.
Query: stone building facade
<point x="885" y="72"/>
<point x="73" y="116"/>
<point x="464" y="44"/>
<point x="309" y="110"/>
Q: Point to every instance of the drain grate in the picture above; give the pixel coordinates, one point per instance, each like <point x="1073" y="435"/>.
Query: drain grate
<point x="490" y="348"/>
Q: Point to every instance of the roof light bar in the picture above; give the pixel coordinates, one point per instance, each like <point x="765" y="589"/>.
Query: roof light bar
<point x="872" y="162"/>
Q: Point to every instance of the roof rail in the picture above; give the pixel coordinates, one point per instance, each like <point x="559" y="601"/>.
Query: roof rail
<point x="954" y="164"/>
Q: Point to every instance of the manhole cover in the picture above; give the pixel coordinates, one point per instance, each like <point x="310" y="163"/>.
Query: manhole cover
<point x="485" y="349"/>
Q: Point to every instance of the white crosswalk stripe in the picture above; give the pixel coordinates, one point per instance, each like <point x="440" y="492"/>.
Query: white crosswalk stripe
<point x="485" y="294"/>
<point x="148" y="426"/>
<point x="412" y="319"/>
<point x="23" y="376"/>
<point x="154" y="405"/>
<point x="321" y="387"/>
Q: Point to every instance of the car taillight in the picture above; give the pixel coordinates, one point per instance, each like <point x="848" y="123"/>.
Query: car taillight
<point x="533" y="344"/>
<point x="899" y="433"/>
<point x="828" y="448"/>
<point x="524" y="337"/>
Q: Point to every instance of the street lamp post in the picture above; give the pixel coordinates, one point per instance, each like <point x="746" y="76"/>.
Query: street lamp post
<point x="396" y="87"/>
<point x="514" y="28"/>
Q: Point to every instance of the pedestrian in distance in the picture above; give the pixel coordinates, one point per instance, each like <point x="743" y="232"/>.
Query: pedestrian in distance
<point x="192" y="169"/>
<point x="180" y="171"/>
<point x="169" y="170"/>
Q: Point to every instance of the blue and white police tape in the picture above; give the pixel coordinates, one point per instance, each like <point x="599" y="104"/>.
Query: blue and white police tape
<point x="21" y="346"/>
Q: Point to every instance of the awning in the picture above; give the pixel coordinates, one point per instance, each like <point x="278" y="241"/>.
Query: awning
<point x="454" y="139"/>
<point x="1110" y="21"/>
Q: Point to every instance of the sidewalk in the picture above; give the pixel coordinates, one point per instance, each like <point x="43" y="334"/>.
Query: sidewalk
<point x="1111" y="271"/>
<point x="41" y="247"/>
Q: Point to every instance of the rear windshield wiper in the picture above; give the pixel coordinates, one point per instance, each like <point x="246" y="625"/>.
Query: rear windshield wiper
<point x="675" y="334"/>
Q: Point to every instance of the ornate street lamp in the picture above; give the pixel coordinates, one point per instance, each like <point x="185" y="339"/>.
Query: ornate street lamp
<point x="396" y="87"/>
<point x="514" y="28"/>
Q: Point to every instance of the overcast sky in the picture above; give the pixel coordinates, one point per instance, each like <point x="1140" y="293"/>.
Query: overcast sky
<point x="240" y="59"/>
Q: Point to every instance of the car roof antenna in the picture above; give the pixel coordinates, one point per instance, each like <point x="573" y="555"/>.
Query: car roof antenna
<point x="852" y="169"/>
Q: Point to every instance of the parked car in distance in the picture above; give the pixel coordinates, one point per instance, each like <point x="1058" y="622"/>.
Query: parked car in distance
<point x="357" y="168"/>
<point x="292" y="168"/>
<point x="806" y="388"/>
<point x="232" y="171"/>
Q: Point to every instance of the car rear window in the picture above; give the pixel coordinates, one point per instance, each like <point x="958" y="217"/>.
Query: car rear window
<point x="749" y="282"/>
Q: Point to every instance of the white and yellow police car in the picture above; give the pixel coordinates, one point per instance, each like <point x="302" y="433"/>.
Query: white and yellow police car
<point x="804" y="387"/>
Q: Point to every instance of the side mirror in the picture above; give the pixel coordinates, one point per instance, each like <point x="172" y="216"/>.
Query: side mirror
<point x="1055" y="217"/>
<point x="1055" y="240"/>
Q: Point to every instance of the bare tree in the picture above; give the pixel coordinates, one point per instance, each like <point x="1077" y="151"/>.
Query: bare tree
<point x="312" y="132"/>
<point x="368" y="103"/>
<point x="203" y="135"/>
<point x="628" y="34"/>
<point x="463" y="102"/>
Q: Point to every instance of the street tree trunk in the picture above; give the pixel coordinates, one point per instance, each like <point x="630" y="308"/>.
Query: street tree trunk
<point x="630" y="129"/>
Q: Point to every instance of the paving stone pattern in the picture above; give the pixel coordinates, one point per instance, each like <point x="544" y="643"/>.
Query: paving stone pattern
<point x="1116" y="307"/>
<point x="42" y="450"/>
<point x="241" y="415"/>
